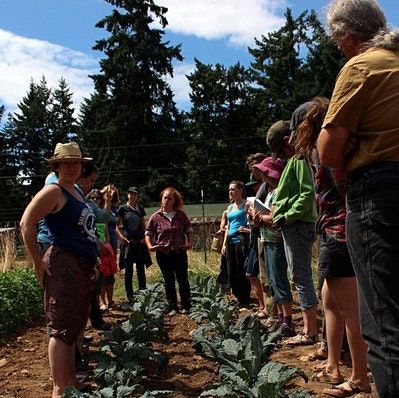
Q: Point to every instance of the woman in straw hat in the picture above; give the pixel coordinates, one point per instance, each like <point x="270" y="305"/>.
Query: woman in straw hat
<point x="68" y="268"/>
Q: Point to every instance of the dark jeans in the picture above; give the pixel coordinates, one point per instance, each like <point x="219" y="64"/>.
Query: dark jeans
<point x="223" y="277"/>
<point x="373" y="241"/>
<point x="239" y="283"/>
<point x="134" y="257"/>
<point x="140" y="269"/>
<point x="174" y="266"/>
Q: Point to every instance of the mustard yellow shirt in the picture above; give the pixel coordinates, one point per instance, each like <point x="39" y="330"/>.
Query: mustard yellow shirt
<point x="366" y="102"/>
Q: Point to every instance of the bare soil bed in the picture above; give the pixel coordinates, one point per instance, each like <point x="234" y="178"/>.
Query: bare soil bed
<point x="24" y="371"/>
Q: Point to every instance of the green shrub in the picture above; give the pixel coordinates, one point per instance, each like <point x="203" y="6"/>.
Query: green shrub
<point x="21" y="299"/>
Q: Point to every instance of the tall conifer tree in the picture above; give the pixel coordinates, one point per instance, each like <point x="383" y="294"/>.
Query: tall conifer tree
<point x="132" y="107"/>
<point x="64" y="126"/>
<point x="220" y="127"/>
<point x="28" y="134"/>
<point x="43" y="118"/>
<point x="276" y="70"/>
<point x="291" y="66"/>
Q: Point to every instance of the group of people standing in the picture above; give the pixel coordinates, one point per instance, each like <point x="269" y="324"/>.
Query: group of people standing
<point x="343" y="155"/>
<point x="74" y="253"/>
<point x="334" y="171"/>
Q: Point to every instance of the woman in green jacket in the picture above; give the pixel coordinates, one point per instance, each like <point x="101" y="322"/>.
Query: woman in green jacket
<point x="295" y="213"/>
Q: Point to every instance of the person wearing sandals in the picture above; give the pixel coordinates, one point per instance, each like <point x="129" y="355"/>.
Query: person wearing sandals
<point x="360" y="134"/>
<point x="68" y="269"/>
<point x="252" y="267"/>
<point x="339" y="291"/>
<point x="276" y="262"/>
<point x="295" y="213"/>
<point x="258" y="189"/>
<point x="235" y="244"/>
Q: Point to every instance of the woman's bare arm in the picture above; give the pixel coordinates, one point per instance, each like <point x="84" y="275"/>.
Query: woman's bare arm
<point x="46" y="201"/>
<point x="331" y="146"/>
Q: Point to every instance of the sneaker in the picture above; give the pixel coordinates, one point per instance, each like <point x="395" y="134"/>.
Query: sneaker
<point x="172" y="312"/>
<point x="287" y="331"/>
<point x="272" y="324"/>
<point x="185" y="311"/>
<point x="88" y="338"/>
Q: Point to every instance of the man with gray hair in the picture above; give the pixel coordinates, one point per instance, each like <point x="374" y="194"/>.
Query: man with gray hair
<point x="361" y="134"/>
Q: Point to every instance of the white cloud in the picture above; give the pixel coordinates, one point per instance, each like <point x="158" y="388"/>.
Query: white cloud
<point x="238" y="20"/>
<point x="23" y="59"/>
<point x="180" y="85"/>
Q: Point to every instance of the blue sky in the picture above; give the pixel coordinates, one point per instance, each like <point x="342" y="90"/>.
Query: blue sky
<point x="54" y="38"/>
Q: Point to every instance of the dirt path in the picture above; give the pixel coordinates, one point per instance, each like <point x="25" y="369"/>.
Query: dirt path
<point x="24" y="371"/>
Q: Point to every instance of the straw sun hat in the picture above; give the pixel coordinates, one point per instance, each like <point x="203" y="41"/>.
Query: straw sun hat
<point x="69" y="152"/>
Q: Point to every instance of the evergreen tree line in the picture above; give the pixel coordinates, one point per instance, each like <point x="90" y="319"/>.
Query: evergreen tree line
<point x="131" y="126"/>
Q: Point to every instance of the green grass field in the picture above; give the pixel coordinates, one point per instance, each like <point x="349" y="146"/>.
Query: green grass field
<point x="211" y="209"/>
<point x="196" y="266"/>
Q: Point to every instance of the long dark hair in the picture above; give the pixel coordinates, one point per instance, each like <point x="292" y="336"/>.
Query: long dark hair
<point x="240" y="185"/>
<point x="309" y="129"/>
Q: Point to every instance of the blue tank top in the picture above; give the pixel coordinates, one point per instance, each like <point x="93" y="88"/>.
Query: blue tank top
<point x="73" y="228"/>
<point x="113" y="237"/>
<point x="236" y="219"/>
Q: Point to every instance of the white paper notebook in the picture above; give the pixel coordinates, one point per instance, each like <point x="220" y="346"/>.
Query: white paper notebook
<point x="259" y="206"/>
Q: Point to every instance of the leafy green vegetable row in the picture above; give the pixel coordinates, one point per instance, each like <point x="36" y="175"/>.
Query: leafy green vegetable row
<point x="125" y="350"/>
<point x="21" y="299"/>
<point x="241" y="347"/>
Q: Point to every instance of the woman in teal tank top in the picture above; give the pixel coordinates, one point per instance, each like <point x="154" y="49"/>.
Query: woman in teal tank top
<point x="236" y="241"/>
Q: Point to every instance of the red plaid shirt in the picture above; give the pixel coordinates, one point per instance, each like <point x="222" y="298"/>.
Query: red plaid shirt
<point x="330" y="188"/>
<point x="166" y="232"/>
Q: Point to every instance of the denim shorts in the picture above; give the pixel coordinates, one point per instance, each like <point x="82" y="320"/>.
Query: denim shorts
<point x="334" y="259"/>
